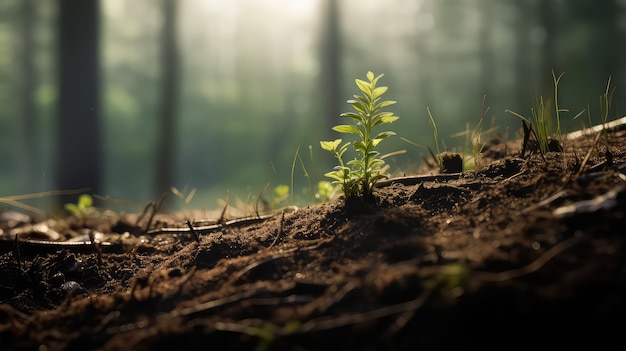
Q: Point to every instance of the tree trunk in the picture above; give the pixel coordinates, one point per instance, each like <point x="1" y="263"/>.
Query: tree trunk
<point x="523" y="86"/>
<point x="485" y="54"/>
<point x="169" y="99"/>
<point x="331" y="62"/>
<point x="28" y="140"/>
<point x="548" y="50"/>
<point x="79" y="139"/>
<point x="613" y="41"/>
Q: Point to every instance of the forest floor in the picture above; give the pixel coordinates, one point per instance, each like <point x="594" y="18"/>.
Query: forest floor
<point x="521" y="252"/>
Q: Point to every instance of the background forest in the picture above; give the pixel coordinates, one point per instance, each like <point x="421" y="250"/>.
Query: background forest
<point x="128" y="98"/>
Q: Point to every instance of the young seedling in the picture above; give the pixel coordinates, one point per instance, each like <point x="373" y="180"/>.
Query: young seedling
<point x="541" y="123"/>
<point x="437" y="156"/>
<point x="358" y="176"/>
<point x="475" y="139"/>
<point x="82" y="208"/>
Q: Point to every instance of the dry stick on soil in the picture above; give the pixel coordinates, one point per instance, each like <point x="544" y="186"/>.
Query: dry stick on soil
<point x="251" y="326"/>
<point x="280" y="231"/>
<point x="533" y="266"/>
<point x="143" y="213"/>
<point x="558" y="195"/>
<point x="518" y="272"/>
<point x="284" y="253"/>
<point x="256" y="204"/>
<point x="207" y="229"/>
<point x="327" y="323"/>
<point x="616" y="125"/>
<point x="586" y="159"/>
<point x="155" y="208"/>
<point x="247" y="269"/>
<point x="414" y="180"/>
<point x="324" y="323"/>
<point x="16" y="250"/>
<point x="193" y="231"/>
<point x="221" y="219"/>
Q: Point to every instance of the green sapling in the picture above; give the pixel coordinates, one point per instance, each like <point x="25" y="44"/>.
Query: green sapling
<point x="358" y="176"/>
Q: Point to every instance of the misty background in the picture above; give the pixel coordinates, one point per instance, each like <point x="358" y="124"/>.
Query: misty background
<point x="129" y="98"/>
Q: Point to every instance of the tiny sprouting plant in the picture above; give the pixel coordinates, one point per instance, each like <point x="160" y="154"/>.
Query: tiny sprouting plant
<point x="541" y="123"/>
<point x="357" y="177"/>
<point x="82" y="208"/>
<point x="281" y="195"/>
<point x="325" y="191"/>
<point x="473" y="144"/>
<point x="437" y="157"/>
<point x="606" y="101"/>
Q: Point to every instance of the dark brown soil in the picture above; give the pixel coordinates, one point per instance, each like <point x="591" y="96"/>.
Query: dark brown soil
<point x="522" y="252"/>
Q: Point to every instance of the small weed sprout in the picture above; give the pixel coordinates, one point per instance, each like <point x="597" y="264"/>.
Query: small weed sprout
<point x="606" y="101"/>
<point x="83" y="208"/>
<point x="358" y="176"/>
<point x="472" y="148"/>
<point x="436" y="156"/>
<point x="541" y="122"/>
<point x="433" y="125"/>
<point x="325" y="191"/>
<point x="281" y="195"/>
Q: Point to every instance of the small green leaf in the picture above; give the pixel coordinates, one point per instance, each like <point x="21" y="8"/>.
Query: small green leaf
<point x="377" y="163"/>
<point x="281" y="190"/>
<point x="335" y="175"/>
<point x="330" y="145"/>
<point x="357" y="105"/>
<point x="360" y="146"/>
<point x="370" y="75"/>
<point x="343" y="148"/>
<point x="378" y="177"/>
<point x="389" y="119"/>
<point x="384" y="135"/>
<point x="73" y="209"/>
<point x="364" y="100"/>
<point x="385" y="104"/>
<point x="355" y="116"/>
<point x="346" y="128"/>
<point x="375" y="80"/>
<point x="379" y="91"/>
<point x="364" y="87"/>
<point x="356" y="163"/>
<point x="84" y="201"/>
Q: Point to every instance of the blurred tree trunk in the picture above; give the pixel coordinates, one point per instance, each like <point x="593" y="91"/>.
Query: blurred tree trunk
<point x="78" y="133"/>
<point x="486" y="57"/>
<point x="28" y="140"/>
<point x="613" y="40"/>
<point x="548" y="51"/>
<point x="331" y="62"/>
<point x="427" y="63"/>
<point x="169" y="99"/>
<point x="523" y="86"/>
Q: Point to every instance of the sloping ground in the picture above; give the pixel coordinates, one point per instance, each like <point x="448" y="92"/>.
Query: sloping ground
<point x="520" y="252"/>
